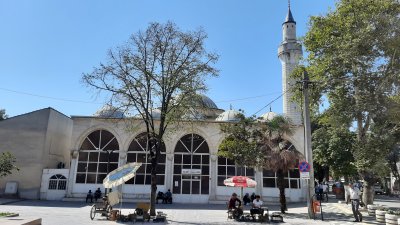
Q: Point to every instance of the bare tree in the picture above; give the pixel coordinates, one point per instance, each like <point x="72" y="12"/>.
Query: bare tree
<point x="161" y="68"/>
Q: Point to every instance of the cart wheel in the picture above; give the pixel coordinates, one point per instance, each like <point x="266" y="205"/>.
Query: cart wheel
<point x="92" y="212"/>
<point x="108" y="211"/>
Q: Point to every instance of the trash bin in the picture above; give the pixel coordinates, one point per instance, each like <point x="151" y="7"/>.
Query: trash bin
<point x="316" y="206"/>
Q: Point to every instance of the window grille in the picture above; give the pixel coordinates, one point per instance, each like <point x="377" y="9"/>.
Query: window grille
<point x="57" y="182"/>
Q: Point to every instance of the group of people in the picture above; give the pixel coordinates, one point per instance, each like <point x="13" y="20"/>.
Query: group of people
<point x="165" y="197"/>
<point x="97" y="195"/>
<point x="321" y="190"/>
<point x="235" y="204"/>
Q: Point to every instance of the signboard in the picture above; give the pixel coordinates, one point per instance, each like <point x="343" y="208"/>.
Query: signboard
<point x="191" y="171"/>
<point x="305" y="175"/>
<point x="304" y="166"/>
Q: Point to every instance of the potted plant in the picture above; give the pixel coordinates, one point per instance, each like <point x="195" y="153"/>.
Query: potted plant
<point x="392" y="216"/>
<point x="372" y="209"/>
<point x="380" y="214"/>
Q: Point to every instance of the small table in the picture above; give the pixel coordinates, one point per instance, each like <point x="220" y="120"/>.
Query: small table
<point x="276" y="217"/>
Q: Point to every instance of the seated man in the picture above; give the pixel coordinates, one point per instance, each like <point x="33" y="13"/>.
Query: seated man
<point x="89" y="196"/>
<point x="168" y="197"/>
<point x="160" y="195"/>
<point x="246" y="199"/>
<point x="257" y="203"/>
<point x="237" y="211"/>
<point x="97" y="194"/>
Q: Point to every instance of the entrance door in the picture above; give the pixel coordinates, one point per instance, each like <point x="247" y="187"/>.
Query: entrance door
<point x="191" y="170"/>
<point x="53" y="186"/>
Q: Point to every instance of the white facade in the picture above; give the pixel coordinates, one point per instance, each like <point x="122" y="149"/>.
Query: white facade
<point x="91" y="146"/>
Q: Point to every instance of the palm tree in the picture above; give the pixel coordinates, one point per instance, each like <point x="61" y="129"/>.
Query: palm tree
<point x="279" y="154"/>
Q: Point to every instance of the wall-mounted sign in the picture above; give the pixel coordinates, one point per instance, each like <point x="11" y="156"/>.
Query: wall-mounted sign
<point x="305" y="175"/>
<point x="191" y="171"/>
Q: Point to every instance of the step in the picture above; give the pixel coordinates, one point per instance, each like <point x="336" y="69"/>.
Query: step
<point x="129" y="200"/>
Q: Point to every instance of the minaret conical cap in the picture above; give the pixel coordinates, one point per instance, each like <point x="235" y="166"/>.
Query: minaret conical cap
<point x="289" y="17"/>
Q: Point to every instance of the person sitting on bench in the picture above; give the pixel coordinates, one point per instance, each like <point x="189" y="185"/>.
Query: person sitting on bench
<point x="168" y="197"/>
<point x="257" y="203"/>
<point x="246" y="199"/>
<point x="97" y="194"/>
<point x="160" y="195"/>
<point x="89" y="196"/>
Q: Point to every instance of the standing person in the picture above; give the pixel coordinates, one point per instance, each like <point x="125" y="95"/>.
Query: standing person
<point x="257" y="203"/>
<point x="355" y="193"/>
<point x="325" y="190"/>
<point x="237" y="211"/>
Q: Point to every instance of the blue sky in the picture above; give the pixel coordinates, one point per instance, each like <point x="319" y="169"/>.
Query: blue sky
<point x="45" y="46"/>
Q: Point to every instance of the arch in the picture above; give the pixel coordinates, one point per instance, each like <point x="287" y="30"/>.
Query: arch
<point x="90" y="130"/>
<point x="98" y="155"/>
<point x="191" y="170"/>
<point x="57" y="182"/>
<point x="139" y="151"/>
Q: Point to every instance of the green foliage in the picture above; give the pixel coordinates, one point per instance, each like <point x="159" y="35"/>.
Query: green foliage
<point x="333" y="147"/>
<point x="354" y="60"/>
<point x="3" y="114"/>
<point x="259" y="144"/>
<point x="240" y="143"/>
<point x="253" y="143"/>
<point x="7" y="161"/>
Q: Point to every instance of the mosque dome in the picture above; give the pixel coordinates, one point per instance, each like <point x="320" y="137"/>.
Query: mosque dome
<point x="109" y="111"/>
<point x="206" y="102"/>
<point x="268" y="116"/>
<point x="229" y="116"/>
<point x="200" y="101"/>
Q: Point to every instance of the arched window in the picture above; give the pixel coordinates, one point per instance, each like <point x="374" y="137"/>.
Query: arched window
<point x="191" y="165"/>
<point x="139" y="152"/>
<point x="98" y="155"/>
<point x="57" y="182"/>
<point x="227" y="168"/>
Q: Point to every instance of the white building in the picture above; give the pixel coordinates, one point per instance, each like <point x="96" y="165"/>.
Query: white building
<point x="45" y="140"/>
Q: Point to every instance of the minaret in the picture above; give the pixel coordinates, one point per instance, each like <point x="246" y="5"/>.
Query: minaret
<point x="289" y="52"/>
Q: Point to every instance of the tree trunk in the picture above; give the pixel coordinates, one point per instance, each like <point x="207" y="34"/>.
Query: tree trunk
<point x="368" y="191"/>
<point x="154" y="153"/>
<point x="153" y="192"/>
<point x="281" y="186"/>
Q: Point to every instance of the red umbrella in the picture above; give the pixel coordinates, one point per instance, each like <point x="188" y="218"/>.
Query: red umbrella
<point x="240" y="181"/>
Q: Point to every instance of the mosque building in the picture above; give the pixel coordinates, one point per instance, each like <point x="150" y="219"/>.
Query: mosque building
<point x="62" y="157"/>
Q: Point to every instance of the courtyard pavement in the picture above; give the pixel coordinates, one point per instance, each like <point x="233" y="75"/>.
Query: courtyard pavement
<point x="77" y="213"/>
